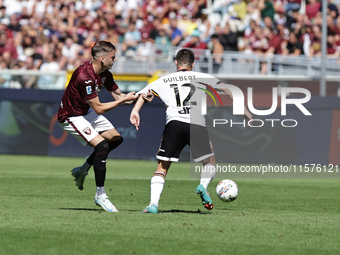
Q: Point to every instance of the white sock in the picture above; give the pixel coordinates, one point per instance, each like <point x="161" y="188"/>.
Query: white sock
<point x="100" y="191"/>
<point x="85" y="167"/>
<point x="157" y="184"/>
<point x="207" y="174"/>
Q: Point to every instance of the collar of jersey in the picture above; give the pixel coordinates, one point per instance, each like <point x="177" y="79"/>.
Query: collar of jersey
<point x="183" y="70"/>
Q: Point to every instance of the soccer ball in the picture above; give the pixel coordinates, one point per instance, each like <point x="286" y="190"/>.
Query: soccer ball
<point x="227" y="190"/>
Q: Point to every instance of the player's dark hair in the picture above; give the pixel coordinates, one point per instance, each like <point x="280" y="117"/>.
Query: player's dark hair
<point x="185" y="57"/>
<point x="102" y="47"/>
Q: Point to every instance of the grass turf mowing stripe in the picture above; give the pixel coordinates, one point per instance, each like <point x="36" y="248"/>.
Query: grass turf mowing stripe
<point x="50" y="216"/>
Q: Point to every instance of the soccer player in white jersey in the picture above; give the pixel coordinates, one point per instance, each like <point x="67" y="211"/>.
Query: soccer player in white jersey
<point x="171" y="89"/>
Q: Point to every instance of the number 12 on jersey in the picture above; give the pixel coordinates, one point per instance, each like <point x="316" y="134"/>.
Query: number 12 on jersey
<point x="186" y="102"/>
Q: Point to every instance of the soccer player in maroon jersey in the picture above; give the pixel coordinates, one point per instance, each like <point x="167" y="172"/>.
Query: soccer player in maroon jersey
<point x="80" y="114"/>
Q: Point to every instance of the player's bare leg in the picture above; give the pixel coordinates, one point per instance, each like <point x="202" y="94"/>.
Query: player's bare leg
<point x="111" y="134"/>
<point x="157" y="184"/>
<point x="207" y="175"/>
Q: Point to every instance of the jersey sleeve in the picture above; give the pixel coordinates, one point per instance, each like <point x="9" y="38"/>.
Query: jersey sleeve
<point x="146" y="89"/>
<point x="86" y="87"/>
<point x="110" y="83"/>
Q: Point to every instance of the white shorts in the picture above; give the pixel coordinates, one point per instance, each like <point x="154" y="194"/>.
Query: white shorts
<point x="85" y="128"/>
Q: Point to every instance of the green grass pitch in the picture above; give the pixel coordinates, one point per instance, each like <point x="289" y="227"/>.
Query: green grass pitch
<point x="42" y="212"/>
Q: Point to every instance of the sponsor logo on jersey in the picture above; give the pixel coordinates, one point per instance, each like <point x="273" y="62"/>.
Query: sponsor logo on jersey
<point x="103" y="80"/>
<point x="87" y="82"/>
<point x="88" y="90"/>
<point x="87" y="131"/>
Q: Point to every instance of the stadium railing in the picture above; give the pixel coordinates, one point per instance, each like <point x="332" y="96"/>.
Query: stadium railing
<point x="16" y="79"/>
<point x="161" y="58"/>
<point x="234" y="66"/>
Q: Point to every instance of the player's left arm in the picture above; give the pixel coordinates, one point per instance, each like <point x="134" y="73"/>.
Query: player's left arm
<point x="117" y="94"/>
<point x="134" y="116"/>
<point x="149" y="92"/>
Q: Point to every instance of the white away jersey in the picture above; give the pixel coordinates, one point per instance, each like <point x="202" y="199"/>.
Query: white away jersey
<point x="177" y="91"/>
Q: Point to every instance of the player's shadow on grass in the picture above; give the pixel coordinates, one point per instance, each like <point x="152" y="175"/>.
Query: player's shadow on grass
<point x="183" y="211"/>
<point x="174" y="211"/>
<point x="81" y="209"/>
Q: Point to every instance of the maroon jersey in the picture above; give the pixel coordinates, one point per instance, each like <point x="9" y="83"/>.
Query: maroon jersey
<point x="276" y="43"/>
<point x="85" y="84"/>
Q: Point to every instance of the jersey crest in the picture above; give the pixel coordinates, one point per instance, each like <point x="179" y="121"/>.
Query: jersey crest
<point x="87" y="131"/>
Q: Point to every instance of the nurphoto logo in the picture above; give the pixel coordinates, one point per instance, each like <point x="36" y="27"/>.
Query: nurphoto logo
<point x="238" y="105"/>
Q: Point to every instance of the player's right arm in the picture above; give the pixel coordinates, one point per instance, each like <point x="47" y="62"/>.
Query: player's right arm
<point x="101" y="108"/>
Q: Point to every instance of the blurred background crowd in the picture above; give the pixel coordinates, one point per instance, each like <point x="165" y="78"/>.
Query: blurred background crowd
<point x="58" y="35"/>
